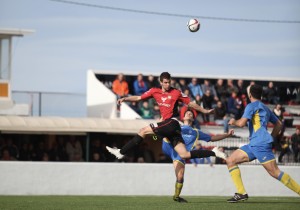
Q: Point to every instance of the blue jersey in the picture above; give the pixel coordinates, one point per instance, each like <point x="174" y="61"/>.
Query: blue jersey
<point x="258" y="116"/>
<point x="190" y="137"/>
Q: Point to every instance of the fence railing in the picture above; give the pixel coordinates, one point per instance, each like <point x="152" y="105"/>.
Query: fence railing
<point x="52" y="103"/>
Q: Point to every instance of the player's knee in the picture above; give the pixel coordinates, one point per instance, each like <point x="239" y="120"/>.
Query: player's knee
<point x="185" y="155"/>
<point x="142" y="132"/>
<point x="230" y="161"/>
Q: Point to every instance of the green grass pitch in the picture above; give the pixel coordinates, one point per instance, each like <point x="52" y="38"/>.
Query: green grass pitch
<point x="144" y="203"/>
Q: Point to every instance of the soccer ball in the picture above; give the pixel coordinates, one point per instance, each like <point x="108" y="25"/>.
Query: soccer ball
<point x="193" y="25"/>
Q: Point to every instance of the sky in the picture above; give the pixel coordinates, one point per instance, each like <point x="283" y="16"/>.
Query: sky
<point x="70" y="39"/>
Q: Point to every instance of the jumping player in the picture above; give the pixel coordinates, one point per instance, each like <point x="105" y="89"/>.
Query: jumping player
<point x="167" y="99"/>
<point x="257" y="115"/>
<point x="190" y="137"/>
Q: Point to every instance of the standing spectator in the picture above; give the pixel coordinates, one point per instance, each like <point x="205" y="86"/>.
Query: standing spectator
<point x="139" y="85"/>
<point x="285" y="149"/>
<point x="207" y="100"/>
<point x="120" y="86"/>
<point x="74" y="149"/>
<point x="152" y="82"/>
<point x="146" y="111"/>
<point x="221" y="91"/>
<point x="242" y="91"/>
<point x="175" y="84"/>
<point x="230" y="87"/>
<point x="221" y="116"/>
<point x="270" y="94"/>
<point x="195" y="88"/>
<point x="296" y="144"/>
<point x="207" y="86"/>
<point x="278" y="111"/>
<point x="183" y="85"/>
<point x="234" y="105"/>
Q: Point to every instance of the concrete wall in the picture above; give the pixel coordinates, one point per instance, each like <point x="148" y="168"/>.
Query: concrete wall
<point x="40" y="178"/>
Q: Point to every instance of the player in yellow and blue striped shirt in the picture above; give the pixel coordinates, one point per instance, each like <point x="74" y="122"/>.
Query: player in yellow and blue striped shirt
<point x="257" y="115"/>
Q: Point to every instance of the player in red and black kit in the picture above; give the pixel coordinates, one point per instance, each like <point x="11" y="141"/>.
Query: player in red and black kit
<point x="167" y="99"/>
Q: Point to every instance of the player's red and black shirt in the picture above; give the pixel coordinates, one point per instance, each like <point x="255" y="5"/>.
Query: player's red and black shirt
<point x="167" y="101"/>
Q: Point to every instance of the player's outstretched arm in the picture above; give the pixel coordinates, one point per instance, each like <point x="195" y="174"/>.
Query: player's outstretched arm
<point x="239" y="123"/>
<point x="222" y="136"/>
<point x="129" y="98"/>
<point x="200" y="108"/>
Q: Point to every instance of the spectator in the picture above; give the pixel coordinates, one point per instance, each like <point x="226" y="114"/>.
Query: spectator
<point x="296" y="144"/>
<point x="234" y="105"/>
<point x="120" y="86"/>
<point x="221" y="91"/>
<point x="152" y="82"/>
<point x="195" y="88"/>
<point x="12" y="148"/>
<point x="242" y="91"/>
<point x="24" y="152"/>
<point x="278" y="111"/>
<point x="183" y="85"/>
<point x="96" y="148"/>
<point x="96" y="157"/>
<point x="139" y="85"/>
<point x="175" y="84"/>
<point x="133" y="105"/>
<point x="146" y="111"/>
<point x="220" y="116"/>
<point x="146" y="153"/>
<point x="208" y="101"/>
<point x="230" y="87"/>
<point x="6" y="155"/>
<point x="156" y="112"/>
<point x="270" y="94"/>
<point x="207" y="86"/>
<point x="74" y="149"/>
<point x="285" y="149"/>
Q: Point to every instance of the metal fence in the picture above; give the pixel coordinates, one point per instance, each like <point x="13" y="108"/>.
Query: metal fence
<point x="52" y="103"/>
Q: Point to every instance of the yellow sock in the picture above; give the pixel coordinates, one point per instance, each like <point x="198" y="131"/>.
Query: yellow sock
<point x="289" y="182"/>
<point x="178" y="187"/>
<point x="237" y="179"/>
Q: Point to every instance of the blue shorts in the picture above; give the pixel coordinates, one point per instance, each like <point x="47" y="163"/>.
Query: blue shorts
<point x="263" y="153"/>
<point x="169" y="151"/>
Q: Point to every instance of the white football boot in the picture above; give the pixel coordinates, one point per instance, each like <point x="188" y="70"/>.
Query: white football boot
<point x="219" y="154"/>
<point x="115" y="151"/>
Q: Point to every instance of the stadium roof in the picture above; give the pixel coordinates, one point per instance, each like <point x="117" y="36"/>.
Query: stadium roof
<point x="206" y="75"/>
<point x="19" y="124"/>
<point x="7" y="32"/>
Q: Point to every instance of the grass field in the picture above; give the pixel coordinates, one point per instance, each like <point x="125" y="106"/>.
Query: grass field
<point x="144" y="203"/>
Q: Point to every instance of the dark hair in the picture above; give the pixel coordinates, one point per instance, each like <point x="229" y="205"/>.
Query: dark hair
<point x="256" y="91"/>
<point x="189" y="110"/>
<point x="164" y="75"/>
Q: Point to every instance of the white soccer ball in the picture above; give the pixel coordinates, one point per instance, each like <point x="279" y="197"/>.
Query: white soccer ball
<point x="193" y="25"/>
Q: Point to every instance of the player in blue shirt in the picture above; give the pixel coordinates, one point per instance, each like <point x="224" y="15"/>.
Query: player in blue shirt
<point x="257" y="115"/>
<point x="190" y="137"/>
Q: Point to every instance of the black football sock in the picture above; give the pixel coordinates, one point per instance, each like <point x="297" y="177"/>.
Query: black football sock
<point x="136" y="140"/>
<point x="201" y="153"/>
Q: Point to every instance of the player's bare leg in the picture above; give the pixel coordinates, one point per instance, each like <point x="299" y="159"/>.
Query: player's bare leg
<point x="235" y="158"/>
<point x="274" y="171"/>
<point x="179" y="172"/>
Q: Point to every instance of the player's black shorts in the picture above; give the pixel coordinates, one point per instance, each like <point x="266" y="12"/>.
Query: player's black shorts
<point x="170" y="129"/>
